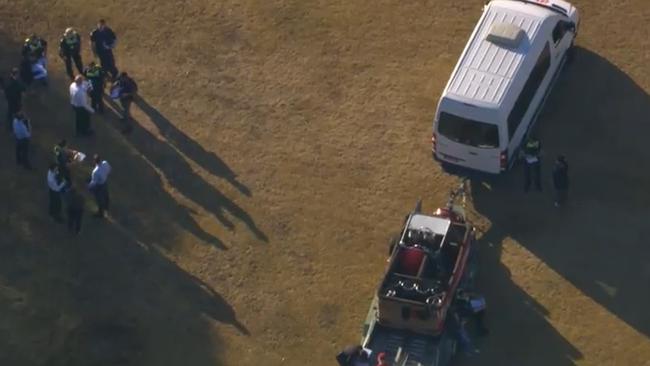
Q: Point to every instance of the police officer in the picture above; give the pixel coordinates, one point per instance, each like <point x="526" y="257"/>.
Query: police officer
<point x="102" y="42"/>
<point x="70" y="51"/>
<point x="35" y="53"/>
<point x="13" y="90"/>
<point x="532" y="163"/>
<point x="96" y="75"/>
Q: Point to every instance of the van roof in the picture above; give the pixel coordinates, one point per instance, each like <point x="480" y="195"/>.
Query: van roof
<point x="500" y="45"/>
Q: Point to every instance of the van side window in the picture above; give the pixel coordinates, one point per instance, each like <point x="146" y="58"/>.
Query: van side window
<point x="528" y="92"/>
<point x="560" y="30"/>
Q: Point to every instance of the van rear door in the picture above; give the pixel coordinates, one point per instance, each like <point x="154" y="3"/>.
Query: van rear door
<point x="467" y="142"/>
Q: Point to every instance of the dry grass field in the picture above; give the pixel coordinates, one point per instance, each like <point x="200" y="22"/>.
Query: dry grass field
<point x="277" y="146"/>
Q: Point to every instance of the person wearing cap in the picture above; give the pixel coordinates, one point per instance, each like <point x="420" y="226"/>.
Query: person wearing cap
<point x="561" y="180"/>
<point x="23" y="134"/>
<point x="70" y="51"/>
<point x="96" y="76"/>
<point x="102" y="43"/>
<point x="14" y="90"/>
<point x="35" y="53"/>
<point x="82" y="109"/>
<point x="99" y="185"/>
<point x="56" y="185"/>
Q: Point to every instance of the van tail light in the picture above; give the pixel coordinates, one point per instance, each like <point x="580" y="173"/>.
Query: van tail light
<point x="434" y="145"/>
<point x="503" y="160"/>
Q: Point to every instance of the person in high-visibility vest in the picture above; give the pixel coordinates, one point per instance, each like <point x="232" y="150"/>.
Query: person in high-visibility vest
<point x="96" y="76"/>
<point x="35" y="57"/>
<point x="532" y="164"/>
<point x="70" y="51"/>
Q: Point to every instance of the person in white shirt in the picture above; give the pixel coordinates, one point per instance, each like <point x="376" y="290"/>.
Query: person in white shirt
<point x="23" y="134"/>
<point x="99" y="185"/>
<point x="56" y="185"/>
<point x="82" y="109"/>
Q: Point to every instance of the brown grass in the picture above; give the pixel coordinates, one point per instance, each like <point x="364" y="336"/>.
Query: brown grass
<point x="278" y="145"/>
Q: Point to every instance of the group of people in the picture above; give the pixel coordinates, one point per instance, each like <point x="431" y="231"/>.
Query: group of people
<point x="533" y="166"/>
<point x="86" y="97"/>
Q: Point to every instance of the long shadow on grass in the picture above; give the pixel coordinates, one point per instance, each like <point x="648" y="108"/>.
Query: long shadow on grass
<point x="190" y="148"/>
<point x="180" y="175"/>
<point x="109" y="296"/>
<point x="598" y="117"/>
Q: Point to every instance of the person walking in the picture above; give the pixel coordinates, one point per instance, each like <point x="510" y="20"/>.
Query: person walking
<point x="56" y="185"/>
<point x="75" y="209"/>
<point x="82" y="110"/>
<point x="23" y="134"/>
<point x="96" y="76"/>
<point x="13" y="90"/>
<point x="99" y="185"/>
<point x="125" y="88"/>
<point x="35" y="52"/>
<point x="70" y="51"/>
<point x="561" y="180"/>
<point x="532" y="164"/>
<point x="102" y="43"/>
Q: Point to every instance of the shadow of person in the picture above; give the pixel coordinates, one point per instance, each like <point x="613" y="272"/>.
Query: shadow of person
<point x="190" y="148"/>
<point x="597" y="117"/>
<point x="182" y="177"/>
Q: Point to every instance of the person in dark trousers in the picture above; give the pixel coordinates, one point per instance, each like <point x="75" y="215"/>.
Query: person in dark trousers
<point x="63" y="157"/>
<point x="126" y="89"/>
<point x="532" y="164"/>
<point x="13" y="89"/>
<point x="82" y="109"/>
<point x="56" y="185"/>
<point x="102" y="42"/>
<point x="472" y="306"/>
<point x="96" y="76"/>
<point x="561" y="180"/>
<point x="23" y="134"/>
<point x="70" y="51"/>
<point x="456" y="326"/>
<point x="35" y="53"/>
<point x="75" y="209"/>
<point x="99" y="185"/>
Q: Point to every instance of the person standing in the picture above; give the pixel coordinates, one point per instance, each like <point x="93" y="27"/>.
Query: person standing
<point x="70" y="51"/>
<point x="561" y="180"/>
<point x="82" y="110"/>
<point x="23" y="134"/>
<point x="56" y="185"/>
<point x="62" y="157"/>
<point x="99" y="185"/>
<point x="532" y="164"/>
<point x="102" y="42"/>
<point x="126" y="89"/>
<point x="74" y="208"/>
<point x="13" y="90"/>
<point x="471" y="305"/>
<point x="35" y="52"/>
<point x="96" y="76"/>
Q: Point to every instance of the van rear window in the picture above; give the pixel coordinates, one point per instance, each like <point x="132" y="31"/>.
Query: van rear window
<point x="468" y="132"/>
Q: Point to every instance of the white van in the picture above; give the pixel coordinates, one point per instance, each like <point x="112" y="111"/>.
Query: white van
<point x="501" y="81"/>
